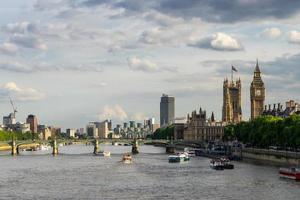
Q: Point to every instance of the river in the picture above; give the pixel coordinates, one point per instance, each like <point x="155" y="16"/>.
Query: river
<point x="78" y="174"/>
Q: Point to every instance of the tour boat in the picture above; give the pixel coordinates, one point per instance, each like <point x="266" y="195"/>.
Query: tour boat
<point x="180" y="157"/>
<point x="104" y="153"/>
<point x="217" y="164"/>
<point x="127" y="159"/>
<point x="291" y="173"/>
<point x="227" y="163"/>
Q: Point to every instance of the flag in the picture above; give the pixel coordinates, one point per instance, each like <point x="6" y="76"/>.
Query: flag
<point x="233" y="69"/>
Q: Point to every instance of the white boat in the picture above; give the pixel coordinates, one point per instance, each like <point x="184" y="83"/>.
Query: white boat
<point x="44" y="147"/>
<point x="104" y="153"/>
<point x="127" y="159"/>
<point x="180" y="157"/>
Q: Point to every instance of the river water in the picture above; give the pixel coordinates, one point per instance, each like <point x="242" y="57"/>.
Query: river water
<point x="77" y="174"/>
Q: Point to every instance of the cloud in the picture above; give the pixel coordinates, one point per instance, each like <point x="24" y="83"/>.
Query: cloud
<point x="162" y="19"/>
<point x="28" y="41"/>
<point x="113" y="112"/>
<point x="11" y="89"/>
<point x="20" y="27"/>
<point x="207" y="10"/>
<point x="8" y="48"/>
<point x="271" y="33"/>
<point x="294" y="37"/>
<point x="219" y="42"/>
<point x="36" y="66"/>
<point x="138" y="116"/>
<point x="137" y="64"/>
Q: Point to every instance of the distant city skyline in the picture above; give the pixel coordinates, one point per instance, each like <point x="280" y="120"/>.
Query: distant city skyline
<point x="72" y="62"/>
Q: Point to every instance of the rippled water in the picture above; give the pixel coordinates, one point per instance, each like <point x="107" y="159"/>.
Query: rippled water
<point x="77" y="174"/>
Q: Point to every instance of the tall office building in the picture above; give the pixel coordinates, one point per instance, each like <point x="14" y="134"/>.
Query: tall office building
<point x="167" y="110"/>
<point x="32" y="120"/>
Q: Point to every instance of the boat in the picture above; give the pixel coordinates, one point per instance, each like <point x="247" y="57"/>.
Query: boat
<point x="227" y="163"/>
<point x="180" y="157"/>
<point x="290" y="173"/>
<point x="104" y="153"/>
<point x="217" y="164"/>
<point x="44" y="147"/>
<point x="189" y="152"/>
<point x="127" y="159"/>
<point x="115" y="143"/>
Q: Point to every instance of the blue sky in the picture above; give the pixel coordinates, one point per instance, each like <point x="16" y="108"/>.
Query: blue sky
<point x="74" y="61"/>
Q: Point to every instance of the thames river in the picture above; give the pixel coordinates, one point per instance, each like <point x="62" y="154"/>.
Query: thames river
<point x="78" y="174"/>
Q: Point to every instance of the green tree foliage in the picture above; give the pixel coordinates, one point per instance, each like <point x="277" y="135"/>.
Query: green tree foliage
<point x="7" y="136"/>
<point x="266" y="131"/>
<point x="164" y="133"/>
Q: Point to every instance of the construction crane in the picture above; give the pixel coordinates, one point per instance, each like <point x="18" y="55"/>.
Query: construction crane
<point x="14" y="108"/>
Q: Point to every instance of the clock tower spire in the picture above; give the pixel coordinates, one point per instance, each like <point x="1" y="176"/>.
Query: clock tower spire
<point x="257" y="93"/>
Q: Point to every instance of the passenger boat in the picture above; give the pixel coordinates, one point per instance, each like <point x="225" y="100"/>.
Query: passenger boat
<point x="104" y="153"/>
<point x="291" y="173"/>
<point x="189" y="152"/>
<point x="217" y="164"/>
<point x="227" y="163"/>
<point x="180" y="157"/>
<point x="127" y="159"/>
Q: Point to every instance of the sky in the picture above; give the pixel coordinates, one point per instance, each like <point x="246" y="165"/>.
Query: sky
<point x="74" y="61"/>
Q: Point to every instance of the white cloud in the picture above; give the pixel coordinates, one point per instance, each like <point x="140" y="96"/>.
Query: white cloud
<point x="28" y="41"/>
<point x="11" y="89"/>
<point x="20" y="27"/>
<point x="8" y="48"/>
<point x="113" y="112"/>
<point x="218" y="41"/>
<point x="294" y="37"/>
<point x="162" y="19"/>
<point x="271" y="33"/>
<point x="137" y="64"/>
<point x="138" y="116"/>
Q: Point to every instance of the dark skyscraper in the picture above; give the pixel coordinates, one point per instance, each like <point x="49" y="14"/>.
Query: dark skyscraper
<point x="32" y="120"/>
<point x="167" y="110"/>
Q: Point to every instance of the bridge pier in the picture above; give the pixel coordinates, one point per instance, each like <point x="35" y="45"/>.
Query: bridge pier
<point x="14" y="147"/>
<point x="135" y="147"/>
<point x="54" y="148"/>
<point x="170" y="148"/>
<point x="96" y="146"/>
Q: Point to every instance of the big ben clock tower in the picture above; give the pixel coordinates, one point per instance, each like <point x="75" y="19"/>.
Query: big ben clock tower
<point x="257" y="94"/>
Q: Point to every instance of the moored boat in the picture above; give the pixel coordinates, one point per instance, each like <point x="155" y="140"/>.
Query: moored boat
<point x="127" y="158"/>
<point x="290" y="173"/>
<point x="115" y="143"/>
<point x="216" y="164"/>
<point x="104" y="153"/>
<point x="44" y="147"/>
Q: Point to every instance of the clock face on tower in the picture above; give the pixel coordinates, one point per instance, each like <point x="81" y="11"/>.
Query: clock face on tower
<point x="257" y="92"/>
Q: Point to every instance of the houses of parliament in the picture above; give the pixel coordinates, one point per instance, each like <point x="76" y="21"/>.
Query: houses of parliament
<point x="232" y="102"/>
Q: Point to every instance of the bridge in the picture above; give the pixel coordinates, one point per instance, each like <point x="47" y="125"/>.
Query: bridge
<point x="15" y="146"/>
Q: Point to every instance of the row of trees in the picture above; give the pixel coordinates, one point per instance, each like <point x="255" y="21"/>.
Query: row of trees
<point x="7" y="136"/>
<point x="266" y="131"/>
<point x="163" y="133"/>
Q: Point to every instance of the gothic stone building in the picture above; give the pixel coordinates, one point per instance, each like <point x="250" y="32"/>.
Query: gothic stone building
<point x="198" y="128"/>
<point x="257" y="94"/>
<point x="232" y="110"/>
